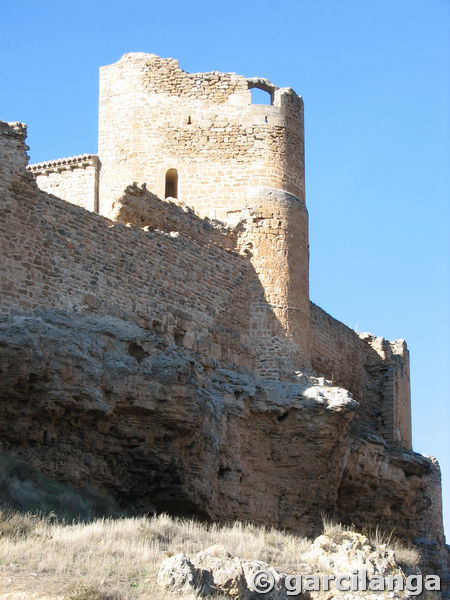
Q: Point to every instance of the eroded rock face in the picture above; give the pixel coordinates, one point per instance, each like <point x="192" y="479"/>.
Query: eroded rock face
<point x="101" y="402"/>
<point x="105" y="403"/>
<point x="397" y="491"/>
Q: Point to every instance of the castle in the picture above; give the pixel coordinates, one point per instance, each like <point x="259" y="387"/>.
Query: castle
<point x="157" y="340"/>
<point x="198" y="140"/>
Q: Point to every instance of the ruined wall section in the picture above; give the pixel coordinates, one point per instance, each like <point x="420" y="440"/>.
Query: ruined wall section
<point x="138" y="206"/>
<point x="387" y="379"/>
<point x="60" y="257"/>
<point x="74" y="179"/>
<point x="13" y="157"/>
<point x="375" y="370"/>
<point x="155" y="117"/>
<point x="337" y="351"/>
<point x="276" y="310"/>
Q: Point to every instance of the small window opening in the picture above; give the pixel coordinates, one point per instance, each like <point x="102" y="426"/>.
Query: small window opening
<point x="189" y="122"/>
<point x="260" y="96"/>
<point x="171" y="184"/>
<point x="178" y="336"/>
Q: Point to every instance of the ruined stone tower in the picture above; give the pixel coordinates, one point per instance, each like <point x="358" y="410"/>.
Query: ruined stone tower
<point x="196" y="136"/>
<point x="199" y="138"/>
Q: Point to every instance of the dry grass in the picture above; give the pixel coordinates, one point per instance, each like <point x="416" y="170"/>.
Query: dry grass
<point x="24" y="488"/>
<point x="336" y="531"/>
<point x="119" y="559"/>
<point x="81" y="591"/>
<point x="14" y="525"/>
<point x="407" y="556"/>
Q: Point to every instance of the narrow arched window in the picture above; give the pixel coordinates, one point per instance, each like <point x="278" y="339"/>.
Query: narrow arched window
<point x="171" y="184"/>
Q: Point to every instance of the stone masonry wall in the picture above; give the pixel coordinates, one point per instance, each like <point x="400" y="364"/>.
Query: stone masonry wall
<point x="275" y="238"/>
<point x="375" y="370"/>
<point x="74" y="179"/>
<point x="155" y="117"/>
<point x="61" y="257"/>
<point x="279" y="307"/>
<point x="235" y="161"/>
<point x="337" y="352"/>
<point x="387" y="378"/>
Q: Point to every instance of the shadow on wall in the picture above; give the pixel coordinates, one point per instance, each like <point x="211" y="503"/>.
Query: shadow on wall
<point x="25" y="489"/>
<point x="247" y="319"/>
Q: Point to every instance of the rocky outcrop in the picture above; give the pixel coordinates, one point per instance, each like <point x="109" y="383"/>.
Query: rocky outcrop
<point x="100" y="402"/>
<point x="215" y="571"/>
<point x="398" y="491"/>
<point x="211" y="571"/>
<point x="344" y="554"/>
<point x="105" y="403"/>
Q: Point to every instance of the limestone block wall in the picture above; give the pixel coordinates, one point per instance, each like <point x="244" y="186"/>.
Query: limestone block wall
<point x="138" y="206"/>
<point x="337" y="352"/>
<point x="374" y="369"/>
<point x="74" y="179"/>
<point x="13" y="157"/>
<point x="155" y="117"/>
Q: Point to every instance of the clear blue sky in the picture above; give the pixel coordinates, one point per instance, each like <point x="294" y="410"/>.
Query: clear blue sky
<point x="374" y="75"/>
